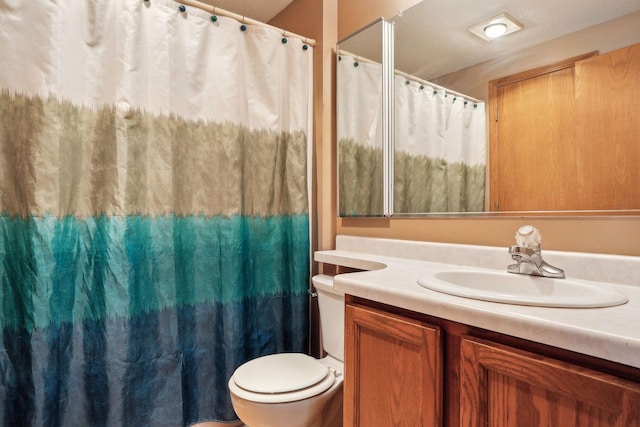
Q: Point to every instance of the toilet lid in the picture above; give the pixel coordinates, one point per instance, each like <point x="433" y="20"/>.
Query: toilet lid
<point x="280" y="373"/>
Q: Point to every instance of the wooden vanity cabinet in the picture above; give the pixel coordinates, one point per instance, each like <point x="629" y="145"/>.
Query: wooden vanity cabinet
<point x="506" y="387"/>
<point x="408" y="369"/>
<point x="393" y="370"/>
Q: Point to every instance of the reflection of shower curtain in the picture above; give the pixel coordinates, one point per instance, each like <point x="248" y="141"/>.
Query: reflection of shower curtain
<point x="154" y="231"/>
<point x="359" y="130"/>
<point x="439" y="145"/>
<point x="440" y="151"/>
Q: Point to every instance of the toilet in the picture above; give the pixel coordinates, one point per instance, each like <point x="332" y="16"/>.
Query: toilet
<point x="294" y="389"/>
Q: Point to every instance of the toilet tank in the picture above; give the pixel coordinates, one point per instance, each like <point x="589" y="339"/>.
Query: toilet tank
<point x="331" y="305"/>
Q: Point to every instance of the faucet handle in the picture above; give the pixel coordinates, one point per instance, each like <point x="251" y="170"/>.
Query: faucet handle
<point x="529" y="237"/>
<point x="517" y="251"/>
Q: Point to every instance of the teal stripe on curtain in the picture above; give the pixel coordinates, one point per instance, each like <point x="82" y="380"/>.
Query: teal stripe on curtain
<point x="74" y="269"/>
<point x="142" y="320"/>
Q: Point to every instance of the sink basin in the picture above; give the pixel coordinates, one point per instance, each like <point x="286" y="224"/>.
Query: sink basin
<point x="522" y="289"/>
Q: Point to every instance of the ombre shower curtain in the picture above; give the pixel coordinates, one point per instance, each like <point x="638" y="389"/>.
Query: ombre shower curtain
<point x="359" y="131"/>
<point x="440" y="150"/>
<point x="439" y="145"/>
<point x="154" y="228"/>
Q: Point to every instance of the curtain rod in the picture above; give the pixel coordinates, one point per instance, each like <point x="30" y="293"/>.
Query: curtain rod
<point x="414" y="78"/>
<point x="437" y="87"/>
<point x="217" y="11"/>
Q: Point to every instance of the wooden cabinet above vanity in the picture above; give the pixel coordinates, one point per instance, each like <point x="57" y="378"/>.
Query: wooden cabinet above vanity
<point x="409" y="369"/>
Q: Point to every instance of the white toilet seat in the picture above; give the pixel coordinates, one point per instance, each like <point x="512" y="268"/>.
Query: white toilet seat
<point x="280" y="378"/>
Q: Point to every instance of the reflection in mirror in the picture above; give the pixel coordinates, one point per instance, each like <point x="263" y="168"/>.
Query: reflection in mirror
<point x="577" y="103"/>
<point x="432" y="43"/>
<point x="359" y="123"/>
<point x="440" y="149"/>
<point x="544" y="160"/>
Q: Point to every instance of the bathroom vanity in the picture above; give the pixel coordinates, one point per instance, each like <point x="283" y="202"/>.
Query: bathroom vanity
<point x="419" y="357"/>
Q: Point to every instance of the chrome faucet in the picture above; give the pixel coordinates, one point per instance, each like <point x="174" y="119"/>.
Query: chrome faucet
<point x="528" y="255"/>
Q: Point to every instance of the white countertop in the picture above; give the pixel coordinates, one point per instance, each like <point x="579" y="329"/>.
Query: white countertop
<point x="611" y="333"/>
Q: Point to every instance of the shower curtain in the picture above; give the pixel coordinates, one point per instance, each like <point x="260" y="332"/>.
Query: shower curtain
<point x="440" y="150"/>
<point x="154" y="227"/>
<point x="439" y="145"/>
<point x="359" y="131"/>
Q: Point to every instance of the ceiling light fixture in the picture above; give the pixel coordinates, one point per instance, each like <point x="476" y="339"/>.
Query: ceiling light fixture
<point x="495" y="27"/>
<point x="495" y="30"/>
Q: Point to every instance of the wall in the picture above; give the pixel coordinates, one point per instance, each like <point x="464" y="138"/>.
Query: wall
<point x="615" y="235"/>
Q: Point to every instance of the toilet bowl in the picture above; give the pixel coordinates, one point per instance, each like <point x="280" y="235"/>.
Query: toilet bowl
<point x="294" y="389"/>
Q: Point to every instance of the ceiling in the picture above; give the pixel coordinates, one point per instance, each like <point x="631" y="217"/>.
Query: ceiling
<point x="260" y="10"/>
<point x="432" y="37"/>
<point x="441" y="25"/>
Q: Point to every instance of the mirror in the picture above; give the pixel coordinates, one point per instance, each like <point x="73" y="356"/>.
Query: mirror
<point x="433" y="48"/>
<point x="359" y="78"/>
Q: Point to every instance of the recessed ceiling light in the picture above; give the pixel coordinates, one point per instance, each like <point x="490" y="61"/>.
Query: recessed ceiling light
<point x="495" y="27"/>
<point x="495" y="30"/>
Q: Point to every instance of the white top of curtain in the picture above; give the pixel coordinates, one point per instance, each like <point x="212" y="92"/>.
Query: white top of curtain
<point x="360" y="109"/>
<point x="428" y="123"/>
<point x="203" y="81"/>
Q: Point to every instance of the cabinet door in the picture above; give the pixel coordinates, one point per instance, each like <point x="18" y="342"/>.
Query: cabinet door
<point x="501" y="386"/>
<point x="393" y="370"/>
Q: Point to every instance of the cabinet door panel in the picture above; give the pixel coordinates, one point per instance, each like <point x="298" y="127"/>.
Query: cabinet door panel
<point x="393" y="369"/>
<point x="502" y="386"/>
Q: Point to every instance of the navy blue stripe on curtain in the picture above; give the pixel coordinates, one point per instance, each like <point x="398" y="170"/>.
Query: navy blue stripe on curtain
<point x="141" y="321"/>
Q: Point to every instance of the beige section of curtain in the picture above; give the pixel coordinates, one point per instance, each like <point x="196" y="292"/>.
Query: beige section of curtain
<point x="360" y="179"/>
<point x="421" y="184"/>
<point x="91" y="161"/>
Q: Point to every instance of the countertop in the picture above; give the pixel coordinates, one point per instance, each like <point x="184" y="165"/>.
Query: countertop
<point x="611" y="333"/>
